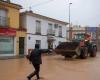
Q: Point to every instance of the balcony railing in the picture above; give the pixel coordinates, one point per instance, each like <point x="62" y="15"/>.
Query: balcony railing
<point x="38" y="33"/>
<point x="4" y="21"/>
<point x="50" y="38"/>
<point x="51" y="32"/>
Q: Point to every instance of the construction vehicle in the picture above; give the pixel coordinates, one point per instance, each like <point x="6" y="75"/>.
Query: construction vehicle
<point x="81" y="46"/>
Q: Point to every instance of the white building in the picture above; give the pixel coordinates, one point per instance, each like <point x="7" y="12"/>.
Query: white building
<point x="42" y="30"/>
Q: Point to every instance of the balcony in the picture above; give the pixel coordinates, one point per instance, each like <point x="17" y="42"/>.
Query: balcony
<point x="51" y="32"/>
<point x="4" y="21"/>
<point x="50" y="35"/>
<point x="38" y="33"/>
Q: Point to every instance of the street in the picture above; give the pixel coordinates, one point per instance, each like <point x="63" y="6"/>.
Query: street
<point x="54" y="67"/>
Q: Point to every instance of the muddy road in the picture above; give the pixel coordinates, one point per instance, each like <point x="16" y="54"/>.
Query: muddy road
<point x="53" y="68"/>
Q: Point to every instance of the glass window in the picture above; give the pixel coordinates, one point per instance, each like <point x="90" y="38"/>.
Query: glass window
<point x="55" y="26"/>
<point x="50" y="30"/>
<point x="60" y="31"/>
<point x="49" y="26"/>
<point x="3" y="18"/>
<point x="38" y="27"/>
<point x="6" y="45"/>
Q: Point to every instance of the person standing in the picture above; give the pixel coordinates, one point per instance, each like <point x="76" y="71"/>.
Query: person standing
<point x="35" y="59"/>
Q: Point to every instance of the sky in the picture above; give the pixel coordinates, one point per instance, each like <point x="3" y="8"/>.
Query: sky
<point x="82" y="12"/>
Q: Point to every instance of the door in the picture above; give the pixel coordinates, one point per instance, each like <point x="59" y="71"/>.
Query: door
<point x="39" y="43"/>
<point x="6" y="45"/>
<point x="50" y="44"/>
<point x="21" y="45"/>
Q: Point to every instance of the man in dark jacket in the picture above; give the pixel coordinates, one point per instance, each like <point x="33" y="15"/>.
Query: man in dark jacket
<point x="35" y="59"/>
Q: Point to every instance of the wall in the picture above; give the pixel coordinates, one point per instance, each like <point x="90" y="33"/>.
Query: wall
<point x="13" y="16"/>
<point x="31" y="27"/>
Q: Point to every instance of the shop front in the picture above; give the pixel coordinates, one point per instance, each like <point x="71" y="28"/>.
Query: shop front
<point x="7" y="37"/>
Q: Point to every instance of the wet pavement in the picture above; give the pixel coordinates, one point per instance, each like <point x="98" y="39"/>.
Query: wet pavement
<point x="53" y="68"/>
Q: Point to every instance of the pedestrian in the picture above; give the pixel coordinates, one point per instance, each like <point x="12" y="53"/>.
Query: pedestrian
<point x="35" y="59"/>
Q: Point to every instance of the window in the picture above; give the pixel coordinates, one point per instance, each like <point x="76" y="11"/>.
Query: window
<point x="38" y="42"/>
<point x="50" y="29"/>
<point x="3" y="18"/>
<point x="60" y="31"/>
<point x="6" y="45"/>
<point x="55" y="26"/>
<point x="38" y="27"/>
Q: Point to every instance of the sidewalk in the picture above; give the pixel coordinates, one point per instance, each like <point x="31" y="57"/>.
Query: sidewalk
<point x="11" y="57"/>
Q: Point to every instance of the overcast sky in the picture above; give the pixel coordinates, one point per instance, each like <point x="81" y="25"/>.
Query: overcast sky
<point x="83" y="12"/>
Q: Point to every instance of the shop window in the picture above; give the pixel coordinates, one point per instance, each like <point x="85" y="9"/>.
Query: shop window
<point x="6" y="45"/>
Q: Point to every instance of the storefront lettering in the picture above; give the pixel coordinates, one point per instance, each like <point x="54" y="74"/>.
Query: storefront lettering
<point x="7" y="32"/>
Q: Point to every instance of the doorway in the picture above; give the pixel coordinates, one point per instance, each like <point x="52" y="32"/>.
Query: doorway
<point x="21" y="45"/>
<point x="50" y="44"/>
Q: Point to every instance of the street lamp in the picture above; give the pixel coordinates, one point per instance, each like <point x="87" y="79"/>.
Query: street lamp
<point x="69" y="13"/>
<point x="70" y="35"/>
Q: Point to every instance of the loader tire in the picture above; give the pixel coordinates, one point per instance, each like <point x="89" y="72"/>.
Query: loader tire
<point x="68" y="56"/>
<point x="84" y="53"/>
<point x="93" y="52"/>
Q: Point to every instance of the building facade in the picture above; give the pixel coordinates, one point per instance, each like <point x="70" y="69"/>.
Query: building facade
<point x="77" y="30"/>
<point x="42" y="30"/>
<point x="10" y="31"/>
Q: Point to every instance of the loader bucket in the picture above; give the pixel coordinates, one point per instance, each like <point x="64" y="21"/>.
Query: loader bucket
<point x="67" y="48"/>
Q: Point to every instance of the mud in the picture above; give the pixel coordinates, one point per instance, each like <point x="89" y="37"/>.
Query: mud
<point x="53" y="68"/>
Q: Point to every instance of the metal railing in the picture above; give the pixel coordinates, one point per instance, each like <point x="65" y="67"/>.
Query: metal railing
<point x="4" y="21"/>
<point x="51" y="32"/>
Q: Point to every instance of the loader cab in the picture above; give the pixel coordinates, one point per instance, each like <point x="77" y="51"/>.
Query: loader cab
<point x="78" y="37"/>
<point x="82" y="39"/>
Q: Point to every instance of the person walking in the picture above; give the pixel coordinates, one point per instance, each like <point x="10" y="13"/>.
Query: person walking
<point x="35" y="59"/>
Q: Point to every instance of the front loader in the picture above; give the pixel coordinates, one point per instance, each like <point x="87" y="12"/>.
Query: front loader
<point x="81" y="46"/>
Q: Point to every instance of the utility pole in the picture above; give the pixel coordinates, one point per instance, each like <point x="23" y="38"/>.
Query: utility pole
<point x="70" y="29"/>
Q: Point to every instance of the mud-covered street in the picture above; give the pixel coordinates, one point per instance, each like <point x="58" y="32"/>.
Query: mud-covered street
<point x="53" y="68"/>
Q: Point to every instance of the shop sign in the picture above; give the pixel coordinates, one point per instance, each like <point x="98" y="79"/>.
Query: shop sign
<point x="8" y="32"/>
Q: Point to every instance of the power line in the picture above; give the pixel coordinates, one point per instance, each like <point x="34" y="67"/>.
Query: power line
<point x="42" y="3"/>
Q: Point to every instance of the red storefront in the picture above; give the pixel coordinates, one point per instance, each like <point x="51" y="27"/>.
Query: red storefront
<point x="7" y="36"/>
<point x="7" y="32"/>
